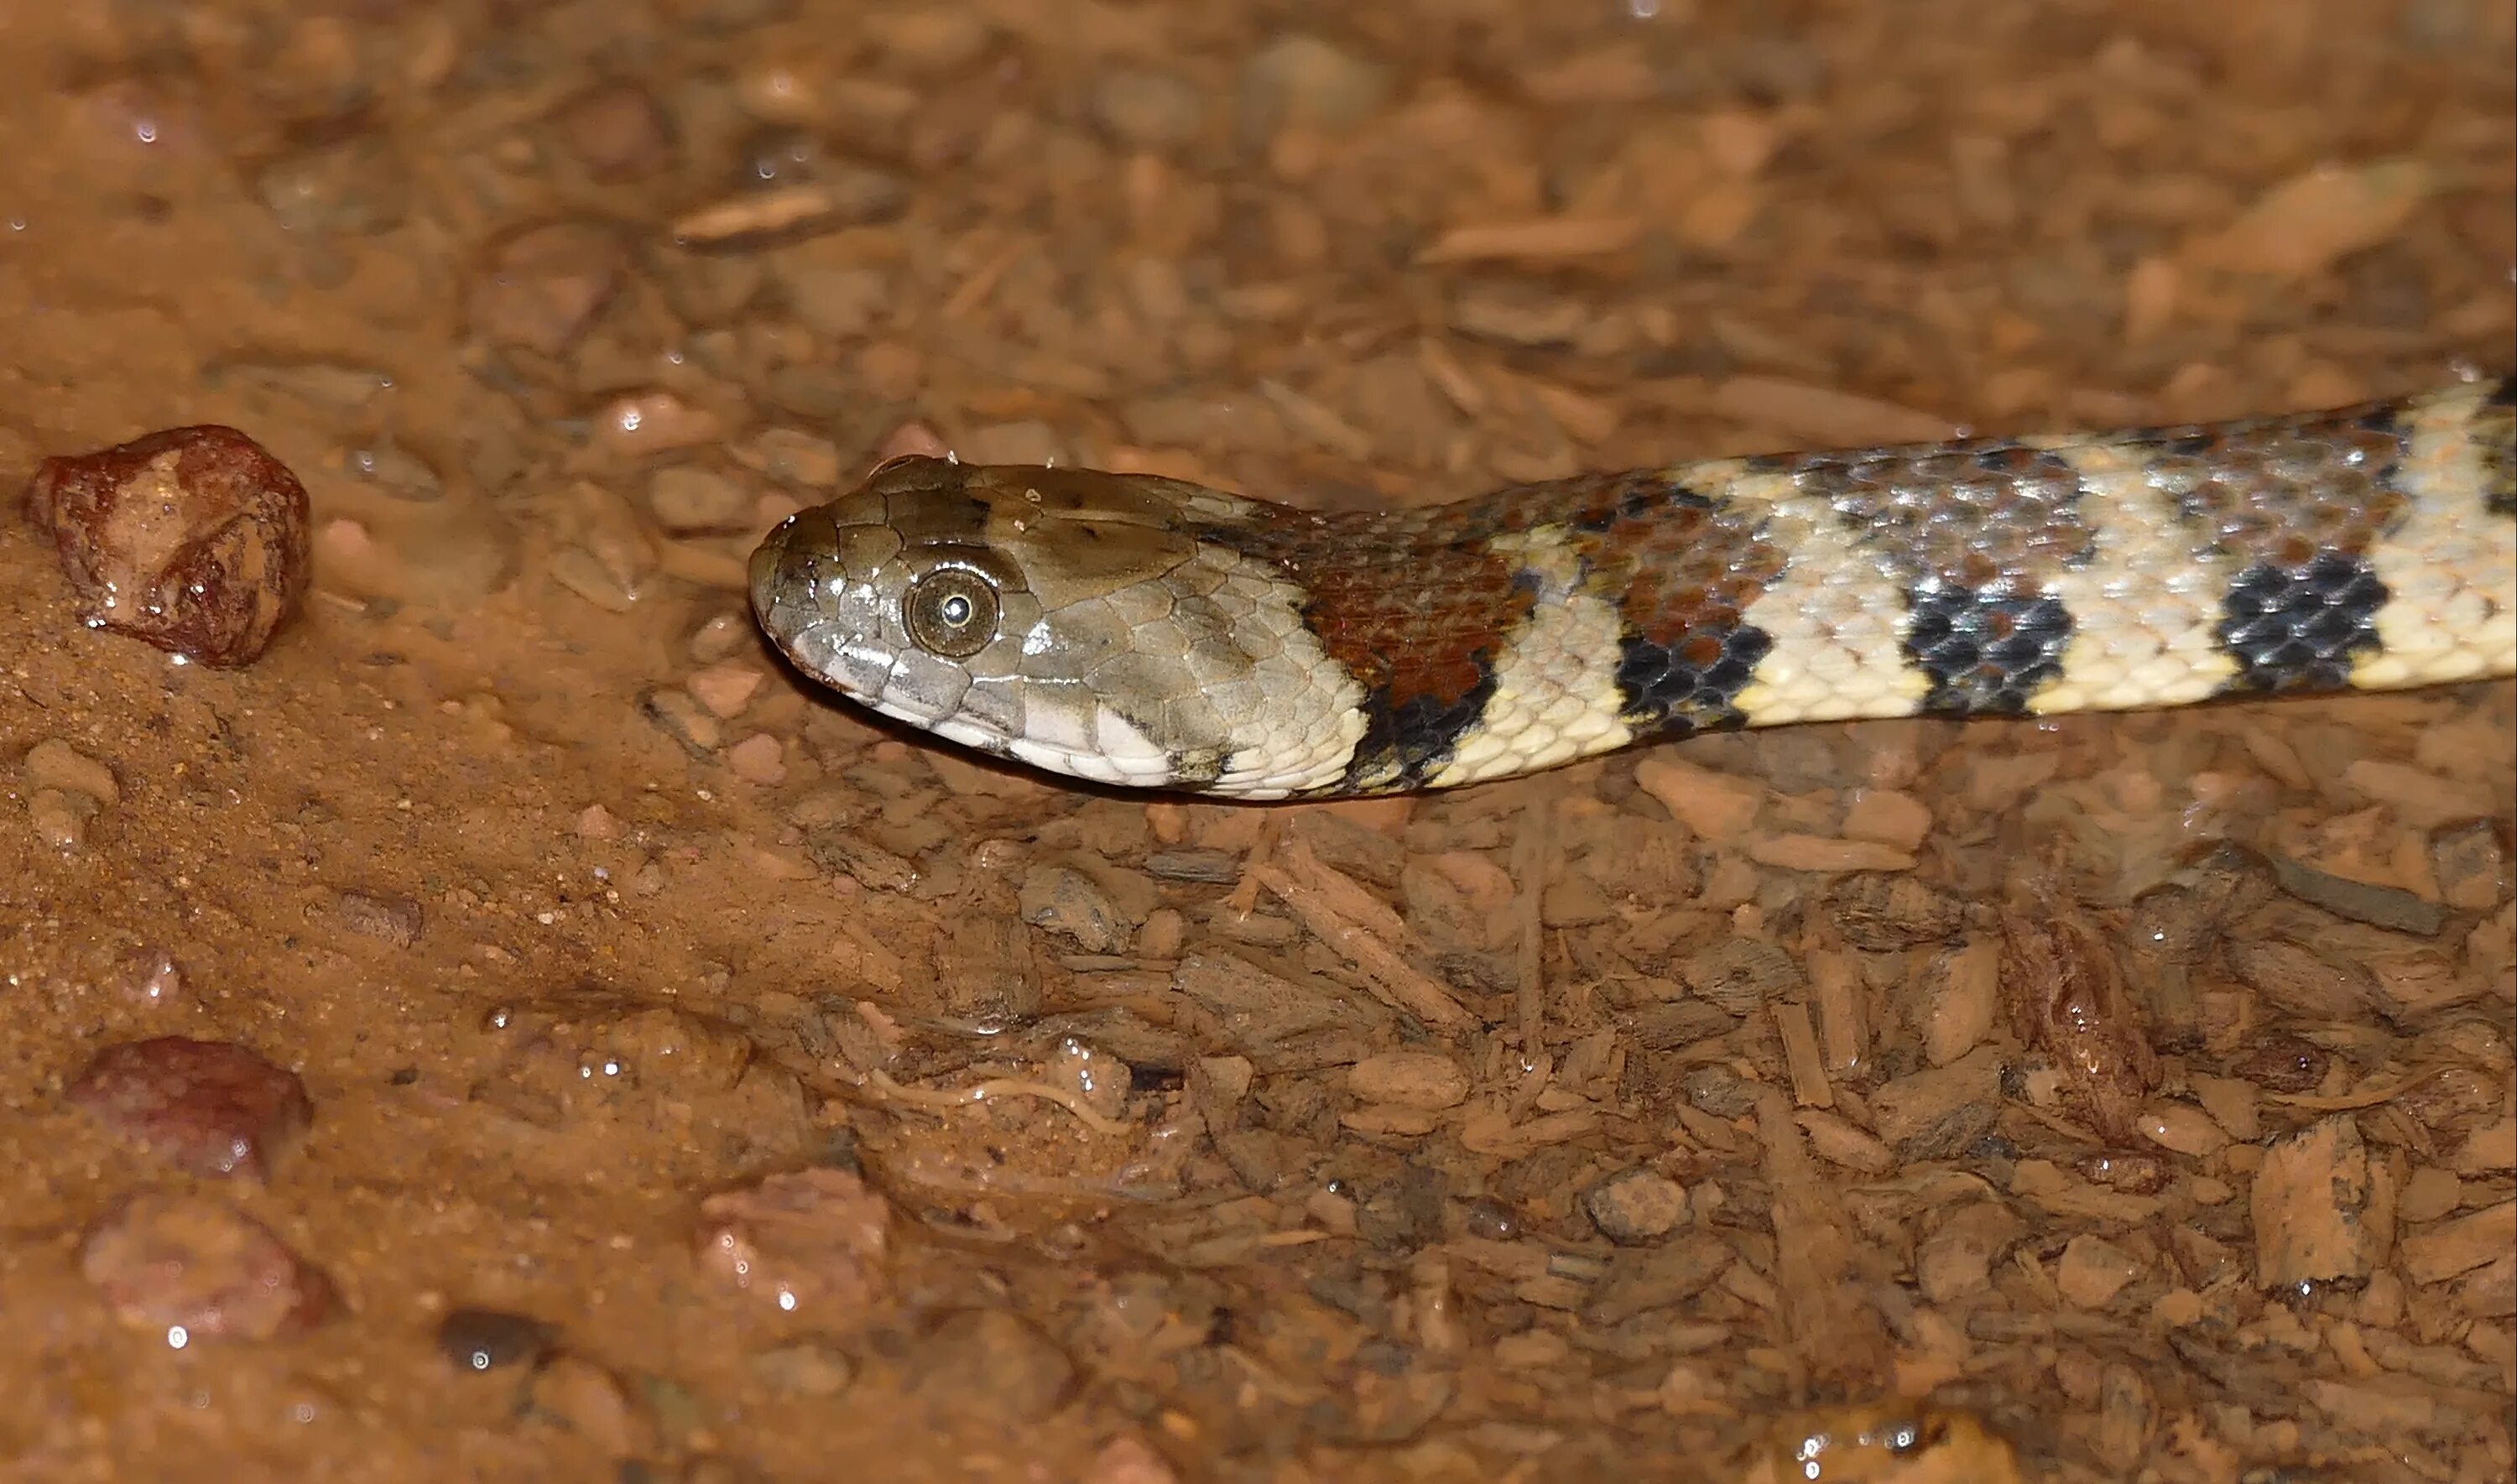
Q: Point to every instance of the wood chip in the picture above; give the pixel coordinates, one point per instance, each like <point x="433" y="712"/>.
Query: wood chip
<point x="1394" y="981"/>
<point x="1546" y="239"/>
<point x="2323" y="1211"/>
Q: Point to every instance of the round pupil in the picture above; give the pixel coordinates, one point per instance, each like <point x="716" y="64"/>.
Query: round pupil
<point x="951" y="614"/>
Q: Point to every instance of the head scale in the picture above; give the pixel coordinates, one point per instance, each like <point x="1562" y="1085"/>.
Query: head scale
<point x="1076" y="622"/>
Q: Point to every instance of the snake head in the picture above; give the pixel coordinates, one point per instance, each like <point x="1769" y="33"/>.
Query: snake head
<point x="1082" y="622"/>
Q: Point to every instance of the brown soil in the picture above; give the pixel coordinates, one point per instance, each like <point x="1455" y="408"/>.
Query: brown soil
<point x="596" y="1014"/>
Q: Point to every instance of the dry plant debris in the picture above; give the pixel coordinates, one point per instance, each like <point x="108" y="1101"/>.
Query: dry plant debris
<point x="658" y="1072"/>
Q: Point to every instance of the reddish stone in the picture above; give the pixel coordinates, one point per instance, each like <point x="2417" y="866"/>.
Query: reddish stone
<point x="193" y="540"/>
<point x="204" y="1106"/>
<point x="168" y="1262"/>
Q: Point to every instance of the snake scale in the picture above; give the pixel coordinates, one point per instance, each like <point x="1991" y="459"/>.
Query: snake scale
<point x="1141" y="631"/>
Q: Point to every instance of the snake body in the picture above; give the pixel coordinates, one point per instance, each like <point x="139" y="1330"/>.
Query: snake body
<point x="1136" y="631"/>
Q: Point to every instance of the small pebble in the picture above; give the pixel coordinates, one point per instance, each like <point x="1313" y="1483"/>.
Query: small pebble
<point x="1129" y="1459"/>
<point x="725" y="689"/>
<point x="644" y="423"/>
<point x="1490" y="1219"/>
<point x="759" y="758"/>
<point x="1636" y="1205"/>
<point x="721" y="637"/>
<point x="395" y="472"/>
<point x="691" y="499"/>
<point x="150" y="977"/>
<point x="2092" y="1271"/>
<point x="2472" y="871"/>
<point x="55" y="764"/>
<point x="2181" y="1127"/>
<point x="1148" y="110"/>
<point x="684" y="1053"/>
<point x="1303" y="81"/>
<point x="1162" y="935"/>
<point x="480" y="1340"/>
<point x="392" y="920"/>
<point x="1102" y="1081"/>
<point x="193" y="1269"/>
<point x="1422" y="1080"/>
<point x="811" y="1367"/>
<point x="212" y="1108"/>
<point x="1718" y="806"/>
<point x="193" y="540"/>
<point x="813" y="1242"/>
<point x="682" y="719"/>
<point x="1888" y="817"/>
<point x="912" y="439"/>
<point x="1072" y="904"/>
<point x="2132" y="1173"/>
<point x="541" y="288"/>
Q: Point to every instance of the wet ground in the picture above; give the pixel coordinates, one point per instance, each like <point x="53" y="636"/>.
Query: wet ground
<point x="512" y="1030"/>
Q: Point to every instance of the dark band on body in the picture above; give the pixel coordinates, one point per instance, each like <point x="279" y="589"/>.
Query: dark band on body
<point x="1682" y="564"/>
<point x="1416" y="606"/>
<point x="1977" y="534"/>
<point x="2299" y="504"/>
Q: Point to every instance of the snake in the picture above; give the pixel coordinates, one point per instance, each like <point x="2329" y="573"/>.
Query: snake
<point x="1145" y="632"/>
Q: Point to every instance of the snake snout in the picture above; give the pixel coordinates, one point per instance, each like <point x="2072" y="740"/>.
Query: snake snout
<point x="782" y="567"/>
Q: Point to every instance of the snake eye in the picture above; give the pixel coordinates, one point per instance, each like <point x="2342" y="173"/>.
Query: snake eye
<point x="950" y="613"/>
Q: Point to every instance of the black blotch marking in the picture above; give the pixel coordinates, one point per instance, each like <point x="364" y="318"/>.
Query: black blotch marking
<point x="2298" y="629"/>
<point x="1691" y="684"/>
<point x="1633" y="498"/>
<point x="1650" y="496"/>
<point x="1404" y="743"/>
<point x="2497" y="428"/>
<point x="1986" y="653"/>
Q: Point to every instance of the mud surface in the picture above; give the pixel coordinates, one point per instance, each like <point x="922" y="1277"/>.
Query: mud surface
<point x="510" y="1030"/>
